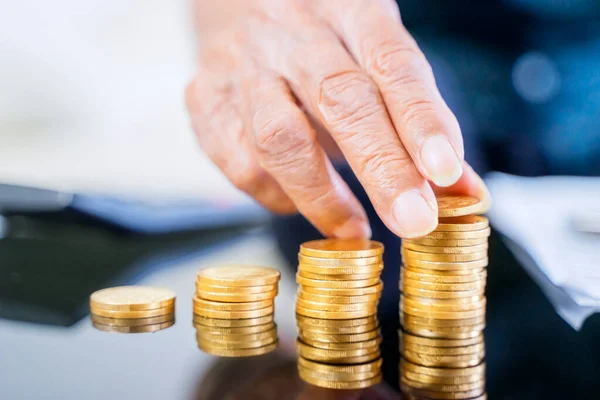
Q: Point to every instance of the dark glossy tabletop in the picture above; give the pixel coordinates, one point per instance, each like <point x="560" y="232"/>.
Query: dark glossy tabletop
<point x="50" y="350"/>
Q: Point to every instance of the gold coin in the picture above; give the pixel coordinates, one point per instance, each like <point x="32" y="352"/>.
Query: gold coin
<point x="243" y="330"/>
<point x="372" y="344"/>
<point x="131" y="322"/>
<point x="408" y="396"/>
<point x="456" y="361"/>
<point x="248" y="344"/>
<point x="456" y="272"/>
<point x="220" y="306"/>
<point x="236" y="298"/>
<point x="234" y="339"/>
<point x="436" y="294"/>
<point x="478" y="370"/>
<point x="440" y="314"/>
<point x="475" y="306"/>
<point x="346" y="369"/>
<point x="339" y="262"/>
<point x="132" y="298"/>
<point x="447" y="380"/>
<point x="432" y="322"/>
<point x="445" y="249"/>
<point x="339" y="338"/>
<point x="448" y="266"/>
<point x="336" y="284"/>
<point x="134" y="329"/>
<point x="232" y="323"/>
<point x="335" y="314"/>
<point x="341" y="248"/>
<point x="238" y="352"/>
<point x="479" y="234"/>
<point x="340" y="330"/>
<point x="378" y="288"/>
<point x="333" y="384"/>
<point x="205" y="312"/>
<point x="368" y="298"/>
<point x="350" y="277"/>
<point x="478" y="349"/>
<point x="156" y="312"/>
<point x="353" y="360"/>
<point x="329" y="355"/>
<point x="420" y="341"/>
<point x="239" y="275"/>
<point x="445" y="333"/>
<point x="444" y="287"/>
<point x="335" y="307"/>
<point x="435" y="278"/>
<point x="324" y="270"/>
<point x="409" y="255"/>
<point x="456" y="206"/>
<point x="434" y="395"/>
<point x="201" y="286"/>
<point x="464" y="223"/>
<point x="447" y="242"/>
<point x="337" y="376"/>
<point x="320" y="323"/>
<point x="440" y="387"/>
<point x="340" y="277"/>
<point x="447" y="302"/>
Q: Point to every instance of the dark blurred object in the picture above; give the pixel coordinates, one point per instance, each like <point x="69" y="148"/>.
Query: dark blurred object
<point x="522" y="78"/>
<point x="142" y="216"/>
<point x="56" y="248"/>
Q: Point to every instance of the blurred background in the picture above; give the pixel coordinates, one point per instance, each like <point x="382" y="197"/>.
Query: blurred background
<point x="92" y="109"/>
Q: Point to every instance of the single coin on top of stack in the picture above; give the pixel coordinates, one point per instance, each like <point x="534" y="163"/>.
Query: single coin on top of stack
<point x="336" y="309"/>
<point x="442" y="304"/>
<point x="132" y="309"/>
<point x="233" y="310"/>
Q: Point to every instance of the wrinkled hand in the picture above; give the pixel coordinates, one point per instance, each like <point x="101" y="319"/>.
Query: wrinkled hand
<point x="272" y="75"/>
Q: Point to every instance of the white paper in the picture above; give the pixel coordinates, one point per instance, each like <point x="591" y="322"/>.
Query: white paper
<point x="540" y="216"/>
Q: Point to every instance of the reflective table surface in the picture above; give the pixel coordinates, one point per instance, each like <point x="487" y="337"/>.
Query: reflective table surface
<point x="50" y="350"/>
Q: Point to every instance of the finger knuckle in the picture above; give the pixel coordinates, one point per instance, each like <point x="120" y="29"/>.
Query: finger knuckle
<point x="384" y="163"/>
<point x="399" y="64"/>
<point x="417" y="112"/>
<point x="348" y="99"/>
<point x="281" y="135"/>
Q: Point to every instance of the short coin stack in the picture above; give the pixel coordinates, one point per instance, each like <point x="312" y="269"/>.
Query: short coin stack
<point x="233" y="310"/>
<point x="336" y="310"/>
<point x="442" y="306"/>
<point x="132" y="309"/>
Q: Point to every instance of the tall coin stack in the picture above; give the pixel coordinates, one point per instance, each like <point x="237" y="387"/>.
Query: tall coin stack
<point x="336" y="310"/>
<point x="233" y="310"/>
<point x="132" y="309"/>
<point x="442" y="305"/>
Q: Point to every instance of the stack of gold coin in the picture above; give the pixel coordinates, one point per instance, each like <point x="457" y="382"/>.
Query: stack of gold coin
<point x="132" y="309"/>
<point x="336" y="309"/>
<point x="442" y="304"/>
<point x="233" y="310"/>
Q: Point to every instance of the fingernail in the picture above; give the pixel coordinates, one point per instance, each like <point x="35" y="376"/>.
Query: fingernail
<point x="414" y="215"/>
<point x="440" y="161"/>
<point x="354" y="228"/>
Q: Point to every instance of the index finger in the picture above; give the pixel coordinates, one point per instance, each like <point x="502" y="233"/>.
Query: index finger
<point x="383" y="47"/>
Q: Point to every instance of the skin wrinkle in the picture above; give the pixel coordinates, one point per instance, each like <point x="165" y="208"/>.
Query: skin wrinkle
<point x="363" y="70"/>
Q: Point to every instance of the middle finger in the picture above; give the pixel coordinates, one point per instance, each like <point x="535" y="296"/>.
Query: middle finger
<point x="348" y="103"/>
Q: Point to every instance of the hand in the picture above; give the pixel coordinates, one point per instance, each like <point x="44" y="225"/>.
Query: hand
<point x="275" y="70"/>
